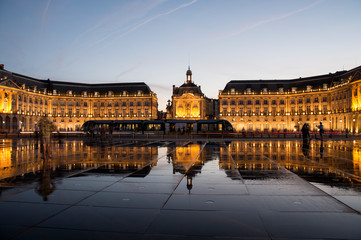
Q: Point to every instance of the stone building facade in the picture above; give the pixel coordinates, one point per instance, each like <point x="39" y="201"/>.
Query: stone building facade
<point x="23" y="100"/>
<point x="250" y="105"/>
<point x="285" y="105"/>
<point x="188" y="102"/>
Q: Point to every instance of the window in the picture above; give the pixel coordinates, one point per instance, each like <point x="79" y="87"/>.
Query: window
<point x="282" y="102"/>
<point x="274" y="102"/>
<point x="233" y="102"/>
<point x="257" y="102"/>
<point x="324" y="99"/>
<point x="249" y="102"/>
<point x="293" y="111"/>
<point x="293" y="101"/>
<point x="124" y="104"/>
<point x="315" y="100"/>
<point x="85" y="104"/>
<point x="146" y="104"/>
<point x="131" y="104"/>
<point x="241" y="102"/>
<point x="308" y="100"/>
<point x="300" y="101"/>
<point x="273" y="110"/>
<point x="102" y="104"/>
<point x="109" y="104"/>
<point x="95" y="104"/>
<point x="265" y="102"/>
<point x="224" y="102"/>
<point x="139" y="104"/>
<point x="116" y="104"/>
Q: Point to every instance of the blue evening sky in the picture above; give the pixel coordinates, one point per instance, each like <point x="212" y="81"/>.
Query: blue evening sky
<point x="154" y="41"/>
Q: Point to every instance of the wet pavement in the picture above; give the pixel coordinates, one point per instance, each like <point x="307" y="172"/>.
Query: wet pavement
<point x="113" y="189"/>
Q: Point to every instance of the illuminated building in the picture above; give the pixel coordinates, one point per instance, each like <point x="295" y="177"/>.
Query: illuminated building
<point x="25" y="158"/>
<point x="285" y="105"/>
<point x="188" y="102"/>
<point x="250" y="105"/>
<point x="23" y="100"/>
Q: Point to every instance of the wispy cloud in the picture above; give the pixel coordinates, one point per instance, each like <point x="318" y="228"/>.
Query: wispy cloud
<point x="131" y="69"/>
<point x="124" y="28"/>
<point x="45" y="13"/>
<point x="266" y="21"/>
<point x="155" y="17"/>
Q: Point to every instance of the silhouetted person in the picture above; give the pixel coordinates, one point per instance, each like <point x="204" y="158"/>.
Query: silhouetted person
<point x="305" y="132"/>
<point x="320" y="127"/>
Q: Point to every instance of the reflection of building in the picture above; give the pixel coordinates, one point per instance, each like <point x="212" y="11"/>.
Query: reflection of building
<point x="262" y="157"/>
<point x="188" y="102"/>
<point x="25" y="158"/>
<point x="188" y="160"/>
<point x="274" y="105"/>
<point x="184" y="158"/>
<point x="24" y="99"/>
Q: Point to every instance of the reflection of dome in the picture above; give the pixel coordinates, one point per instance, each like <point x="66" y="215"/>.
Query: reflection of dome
<point x="189" y="183"/>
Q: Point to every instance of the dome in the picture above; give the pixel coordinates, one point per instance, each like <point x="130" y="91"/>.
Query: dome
<point x="189" y="72"/>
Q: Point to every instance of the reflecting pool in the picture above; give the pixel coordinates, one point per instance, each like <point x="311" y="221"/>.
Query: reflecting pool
<point x="104" y="188"/>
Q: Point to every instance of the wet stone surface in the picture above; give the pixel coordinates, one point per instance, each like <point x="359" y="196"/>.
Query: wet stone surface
<point x="103" y="189"/>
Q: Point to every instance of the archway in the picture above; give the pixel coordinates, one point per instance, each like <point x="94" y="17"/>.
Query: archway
<point x="15" y="125"/>
<point x="30" y="126"/>
<point x="358" y="124"/>
<point x="7" y="124"/>
<point x="23" y="124"/>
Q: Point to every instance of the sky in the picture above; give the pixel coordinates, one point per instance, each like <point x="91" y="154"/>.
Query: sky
<point x="154" y="41"/>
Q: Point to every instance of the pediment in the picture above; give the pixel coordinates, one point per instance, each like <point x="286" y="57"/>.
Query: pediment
<point x="188" y="96"/>
<point x="9" y="83"/>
